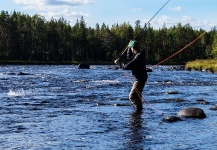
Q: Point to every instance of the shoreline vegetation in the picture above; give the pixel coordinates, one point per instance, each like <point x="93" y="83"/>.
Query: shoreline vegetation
<point x="14" y="62"/>
<point x="35" y="40"/>
<point x="208" y="65"/>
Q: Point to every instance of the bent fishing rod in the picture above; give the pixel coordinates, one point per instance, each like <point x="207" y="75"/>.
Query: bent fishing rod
<point x="144" y="28"/>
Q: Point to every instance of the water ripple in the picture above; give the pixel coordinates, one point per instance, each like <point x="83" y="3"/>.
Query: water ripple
<point x="62" y="107"/>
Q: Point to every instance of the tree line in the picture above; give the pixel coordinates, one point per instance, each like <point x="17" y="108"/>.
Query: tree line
<point x="33" y="38"/>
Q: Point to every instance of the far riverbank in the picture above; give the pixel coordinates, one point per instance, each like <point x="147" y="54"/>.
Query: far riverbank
<point x="202" y="64"/>
<point x="10" y="62"/>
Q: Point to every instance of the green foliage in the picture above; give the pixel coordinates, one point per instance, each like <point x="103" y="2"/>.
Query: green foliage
<point x="32" y="38"/>
<point x="214" y="46"/>
<point x="202" y="64"/>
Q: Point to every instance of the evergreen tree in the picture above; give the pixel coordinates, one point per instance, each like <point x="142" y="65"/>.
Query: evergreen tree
<point x="214" y="46"/>
<point x="24" y="37"/>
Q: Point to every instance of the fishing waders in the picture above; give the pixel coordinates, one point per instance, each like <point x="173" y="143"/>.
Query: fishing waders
<point x="135" y="95"/>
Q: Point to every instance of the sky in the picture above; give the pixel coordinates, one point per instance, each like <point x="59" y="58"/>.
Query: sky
<point x="200" y="14"/>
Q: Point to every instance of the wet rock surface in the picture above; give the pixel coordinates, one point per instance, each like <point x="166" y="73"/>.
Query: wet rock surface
<point x="172" y="119"/>
<point x="192" y="113"/>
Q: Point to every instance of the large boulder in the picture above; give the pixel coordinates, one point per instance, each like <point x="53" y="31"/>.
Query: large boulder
<point x="83" y="66"/>
<point x="192" y="113"/>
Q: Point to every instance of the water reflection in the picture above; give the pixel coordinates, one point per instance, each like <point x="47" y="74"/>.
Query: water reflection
<point x="136" y="133"/>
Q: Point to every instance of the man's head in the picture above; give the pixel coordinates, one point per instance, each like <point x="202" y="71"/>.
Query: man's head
<point x="134" y="44"/>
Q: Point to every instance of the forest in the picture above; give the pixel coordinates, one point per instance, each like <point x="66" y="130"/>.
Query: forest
<point x="33" y="38"/>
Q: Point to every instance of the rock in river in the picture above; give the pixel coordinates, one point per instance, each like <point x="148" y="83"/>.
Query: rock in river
<point x="171" y="119"/>
<point x="192" y="113"/>
<point x="83" y="66"/>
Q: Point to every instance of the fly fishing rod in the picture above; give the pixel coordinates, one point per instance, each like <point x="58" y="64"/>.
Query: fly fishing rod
<point x="145" y="27"/>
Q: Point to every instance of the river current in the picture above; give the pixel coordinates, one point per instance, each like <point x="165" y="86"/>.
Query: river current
<point x="61" y="107"/>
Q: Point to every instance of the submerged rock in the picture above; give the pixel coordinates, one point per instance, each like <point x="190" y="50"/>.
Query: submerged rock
<point x="11" y="74"/>
<point x="171" y="119"/>
<point x="178" y="100"/>
<point x="214" y="108"/>
<point x="21" y="73"/>
<point x="202" y="101"/>
<point x="192" y="113"/>
<point x="172" y="92"/>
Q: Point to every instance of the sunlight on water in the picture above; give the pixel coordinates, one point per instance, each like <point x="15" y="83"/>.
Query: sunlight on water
<point x="97" y="81"/>
<point x="20" y="93"/>
<point x="107" y="81"/>
<point x="61" y="107"/>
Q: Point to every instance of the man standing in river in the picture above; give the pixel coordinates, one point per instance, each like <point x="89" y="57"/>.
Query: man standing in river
<point x="138" y="68"/>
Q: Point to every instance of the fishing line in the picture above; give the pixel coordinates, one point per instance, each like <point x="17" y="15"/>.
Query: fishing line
<point x="144" y="28"/>
<point x="139" y="94"/>
<point x="180" y="50"/>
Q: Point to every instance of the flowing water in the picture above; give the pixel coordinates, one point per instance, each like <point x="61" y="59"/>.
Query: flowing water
<point x="64" y="108"/>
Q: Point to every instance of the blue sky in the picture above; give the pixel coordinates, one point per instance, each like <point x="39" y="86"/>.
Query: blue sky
<point x="198" y="13"/>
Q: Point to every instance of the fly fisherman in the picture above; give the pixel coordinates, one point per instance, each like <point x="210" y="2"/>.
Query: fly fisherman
<point x="138" y="67"/>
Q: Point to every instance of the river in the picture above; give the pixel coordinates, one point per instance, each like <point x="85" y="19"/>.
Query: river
<point x="61" y="107"/>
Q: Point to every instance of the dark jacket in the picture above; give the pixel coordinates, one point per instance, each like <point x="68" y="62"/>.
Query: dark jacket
<point x="136" y="65"/>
